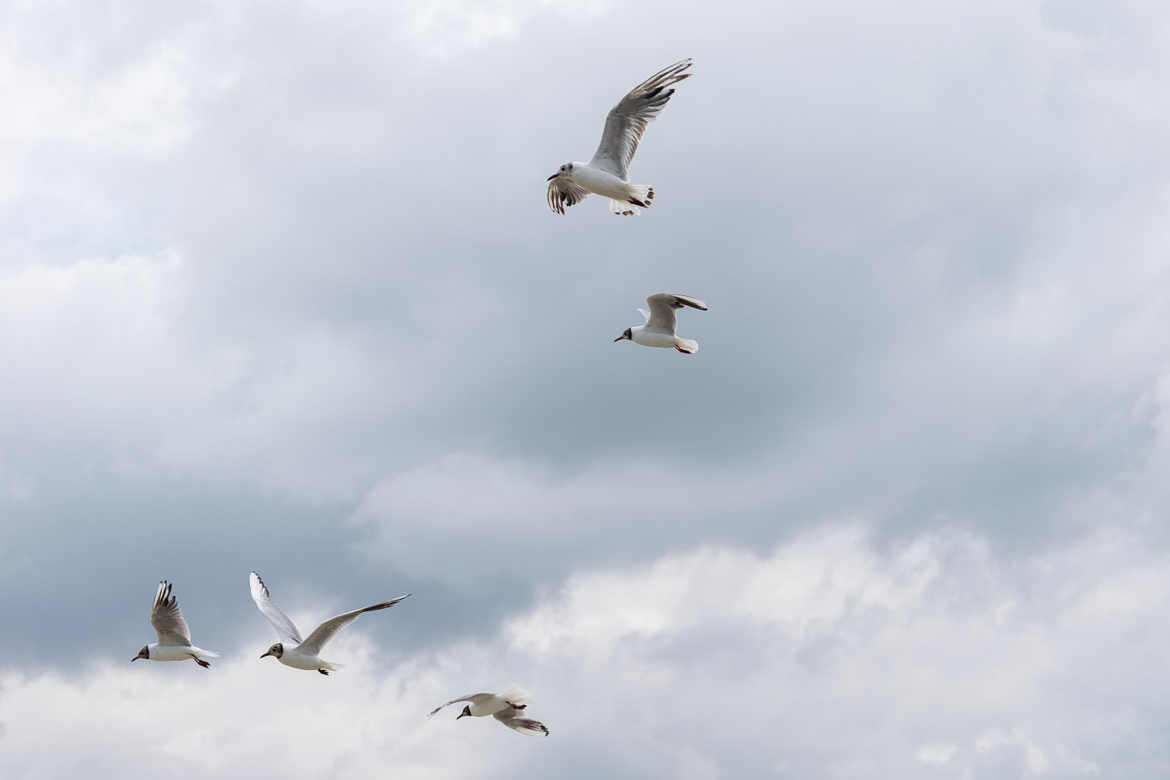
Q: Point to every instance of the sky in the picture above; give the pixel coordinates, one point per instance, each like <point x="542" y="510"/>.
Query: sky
<point x="280" y="290"/>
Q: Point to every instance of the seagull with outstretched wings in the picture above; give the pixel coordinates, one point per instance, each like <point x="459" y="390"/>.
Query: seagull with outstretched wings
<point x="608" y="172"/>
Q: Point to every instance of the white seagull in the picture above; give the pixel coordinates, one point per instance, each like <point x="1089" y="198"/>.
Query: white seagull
<point x="506" y="707"/>
<point x="303" y="653"/>
<point x="659" y="330"/>
<point x="174" y="637"/>
<point x="608" y="172"/>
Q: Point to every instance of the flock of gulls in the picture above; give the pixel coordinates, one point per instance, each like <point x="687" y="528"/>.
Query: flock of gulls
<point x="606" y="174"/>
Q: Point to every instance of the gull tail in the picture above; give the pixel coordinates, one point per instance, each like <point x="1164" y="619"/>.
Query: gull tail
<point x="517" y="696"/>
<point x="199" y="651"/>
<point x="641" y="196"/>
<point x="686" y="346"/>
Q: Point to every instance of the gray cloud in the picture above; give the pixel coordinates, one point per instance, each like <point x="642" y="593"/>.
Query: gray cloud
<point x="274" y="289"/>
<point x="820" y="656"/>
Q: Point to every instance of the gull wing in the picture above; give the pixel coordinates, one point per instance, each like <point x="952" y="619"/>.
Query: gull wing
<point x="626" y="121"/>
<point x="324" y="632"/>
<point x="662" y="306"/>
<point x="286" y="630"/>
<point x="474" y="698"/>
<point x="562" y="193"/>
<point x="511" y="718"/>
<point x="167" y="618"/>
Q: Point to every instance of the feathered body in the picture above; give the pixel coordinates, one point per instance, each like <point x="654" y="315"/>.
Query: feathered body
<point x="174" y="636"/>
<point x="157" y="652"/>
<point x="293" y="650"/>
<point x="507" y="707"/>
<point x="608" y="172"/>
<point x="660" y="326"/>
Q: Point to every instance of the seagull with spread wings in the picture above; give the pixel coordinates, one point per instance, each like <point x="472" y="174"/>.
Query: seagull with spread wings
<point x="608" y="172"/>
<point x="174" y="637"/>
<point x="659" y="330"/>
<point x="294" y="651"/>
<point x="507" y="708"/>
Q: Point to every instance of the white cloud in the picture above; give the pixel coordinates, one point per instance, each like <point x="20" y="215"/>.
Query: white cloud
<point x="302" y="249"/>
<point x="827" y="657"/>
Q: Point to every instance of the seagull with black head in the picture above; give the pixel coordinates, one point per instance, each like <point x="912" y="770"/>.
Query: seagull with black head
<point x="294" y="651"/>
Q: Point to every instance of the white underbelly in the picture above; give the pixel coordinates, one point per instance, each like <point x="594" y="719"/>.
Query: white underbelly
<point x="301" y="661"/>
<point x="602" y="183"/>
<point x="171" y="653"/>
<point x="490" y="707"/>
<point x="653" y="339"/>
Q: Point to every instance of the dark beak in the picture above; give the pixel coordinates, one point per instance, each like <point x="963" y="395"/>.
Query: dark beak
<point x="461" y="715"/>
<point x="266" y="654"/>
<point x="620" y="338"/>
<point x="135" y="658"/>
<point x="550" y="178"/>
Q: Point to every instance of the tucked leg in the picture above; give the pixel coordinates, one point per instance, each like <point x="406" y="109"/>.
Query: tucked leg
<point x="200" y="661"/>
<point x="322" y="671"/>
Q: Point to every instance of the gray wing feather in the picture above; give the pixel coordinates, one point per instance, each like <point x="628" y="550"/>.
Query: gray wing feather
<point x="562" y="193"/>
<point x="324" y="632"/>
<point x="628" y="119"/>
<point x="474" y="698"/>
<point x="510" y="718"/>
<point x="167" y="618"/>
<point x="286" y="630"/>
<point x="662" y="306"/>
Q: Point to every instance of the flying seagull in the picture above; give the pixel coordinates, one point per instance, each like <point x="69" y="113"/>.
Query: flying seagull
<point x="174" y="637"/>
<point x="608" y="172"/>
<point x="659" y="330"/>
<point x="303" y="653"/>
<point x="505" y="707"/>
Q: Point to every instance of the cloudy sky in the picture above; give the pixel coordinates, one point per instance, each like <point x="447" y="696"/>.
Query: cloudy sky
<point x="279" y="290"/>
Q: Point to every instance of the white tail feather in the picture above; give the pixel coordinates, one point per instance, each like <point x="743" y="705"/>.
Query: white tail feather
<point x="516" y="695"/>
<point x="623" y="209"/>
<point x="641" y="196"/>
<point x="642" y="192"/>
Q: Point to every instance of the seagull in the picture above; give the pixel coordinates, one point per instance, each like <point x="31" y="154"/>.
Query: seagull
<point x="608" y="172"/>
<point x="174" y="637"/>
<point x="505" y="707"/>
<point x="303" y="653"/>
<point x="660" y="323"/>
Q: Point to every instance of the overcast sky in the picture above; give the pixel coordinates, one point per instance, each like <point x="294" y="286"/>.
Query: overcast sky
<point x="279" y="290"/>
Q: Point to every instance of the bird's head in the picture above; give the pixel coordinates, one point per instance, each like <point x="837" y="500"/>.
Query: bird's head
<point x="627" y="335"/>
<point x="143" y="653"/>
<point x="564" y="170"/>
<point x="466" y="711"/>
<point x="277" y="651"/>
